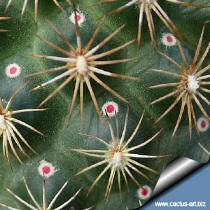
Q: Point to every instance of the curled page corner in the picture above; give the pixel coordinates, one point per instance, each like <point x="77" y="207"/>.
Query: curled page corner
<point x="174" y="172"/>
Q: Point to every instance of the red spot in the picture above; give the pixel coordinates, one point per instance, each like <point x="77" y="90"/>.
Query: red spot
<point x="169" y="39"/>
<point x="144" y="191"/>
<point x="110" y="108"/>
<point x="46" y="169"/>
<point x="13" y="70"/>
<point x="203" y="124"/>
<point x="78" y="17"/>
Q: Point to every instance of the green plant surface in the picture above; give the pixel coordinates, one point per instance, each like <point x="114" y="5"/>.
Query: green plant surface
<point x="20" y="41"/>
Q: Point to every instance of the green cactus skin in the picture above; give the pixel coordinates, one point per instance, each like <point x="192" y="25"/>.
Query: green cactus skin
<point x="4" y="18"/>
<point x="20" y="41"/>
<point x="9" y="131"/>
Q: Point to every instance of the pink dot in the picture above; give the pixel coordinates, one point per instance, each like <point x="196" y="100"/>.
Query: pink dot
<point x="110" y="108"/>
<point x="13" y="70"/>
<point x="169" y="39"/>
<point x="203" y="124"/>
<point x="144" y="191"/>
<point x="46" y="169"/>
<point x="78" y="17"/>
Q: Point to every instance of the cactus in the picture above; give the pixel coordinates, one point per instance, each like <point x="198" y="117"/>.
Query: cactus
<point x="123" y="67"/>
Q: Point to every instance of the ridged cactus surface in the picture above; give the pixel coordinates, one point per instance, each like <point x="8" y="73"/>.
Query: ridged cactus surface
<point x="98" y="98"/>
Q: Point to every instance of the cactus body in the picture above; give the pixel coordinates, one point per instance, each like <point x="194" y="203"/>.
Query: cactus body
<point x="97" y="47"/>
